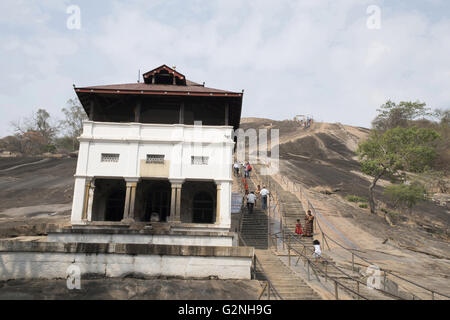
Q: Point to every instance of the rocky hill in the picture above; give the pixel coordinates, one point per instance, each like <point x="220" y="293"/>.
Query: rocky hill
<point x="35" y="192"/>
<point x="322" y="159"/>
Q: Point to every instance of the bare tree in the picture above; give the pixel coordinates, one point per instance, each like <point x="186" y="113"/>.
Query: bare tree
<point x="73" y="123"/>
<point x="36" y="132"/>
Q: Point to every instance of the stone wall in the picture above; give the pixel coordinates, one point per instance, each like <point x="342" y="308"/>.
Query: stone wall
<point x="46" y="260"/>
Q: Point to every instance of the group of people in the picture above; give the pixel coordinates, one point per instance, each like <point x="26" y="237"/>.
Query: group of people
<point x="306" y="123"/>
<point x="251" y="197"/>
<point x="309" y="226"/>
<point x="244" y="168"/>
<point x="263" y="194"/>
<point x="308" y="232"/>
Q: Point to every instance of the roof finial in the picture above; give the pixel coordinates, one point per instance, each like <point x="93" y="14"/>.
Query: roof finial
<point x="139" y="76"/>
<point x="174" y="67"/>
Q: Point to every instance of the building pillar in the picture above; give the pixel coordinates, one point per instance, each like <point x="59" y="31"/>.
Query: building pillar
<point x="172" y="203"/>
<point x="219" y="191"/>
<point x="178" y="203"/>
<point x="175" y="203"/>
<point x="223" y="216"/>
<point x="130" y="198"/>
<point x="88" y="199"/>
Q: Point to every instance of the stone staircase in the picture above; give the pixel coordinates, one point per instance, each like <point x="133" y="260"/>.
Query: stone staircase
<point x="254" y="229"/>
<point x="288" y="284"/>
<point x="293" y="210"/>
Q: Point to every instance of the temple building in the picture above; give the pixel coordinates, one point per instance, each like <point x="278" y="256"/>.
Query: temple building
<point x="156" y="151"/>
<point x="152" y="193"/>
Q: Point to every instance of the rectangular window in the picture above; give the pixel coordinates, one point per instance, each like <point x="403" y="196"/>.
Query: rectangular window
<point x="155" y="158"/>
<point x="110" y="157"/>
<point x="199" y="160"/>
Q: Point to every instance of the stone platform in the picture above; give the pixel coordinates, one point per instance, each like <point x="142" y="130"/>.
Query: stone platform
<point x="51" y="260"/>
<point x="155" y="234"/>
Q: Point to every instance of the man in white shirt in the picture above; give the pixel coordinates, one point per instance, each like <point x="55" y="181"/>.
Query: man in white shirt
<point x="264" y="193"/>
<point x="251" y="199"/>
<point x="236" y="169"/>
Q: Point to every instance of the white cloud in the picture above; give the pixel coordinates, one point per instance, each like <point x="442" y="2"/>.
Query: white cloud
<point x="308" y="57"/>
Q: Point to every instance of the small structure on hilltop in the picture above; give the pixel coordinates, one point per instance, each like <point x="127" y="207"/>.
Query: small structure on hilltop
<point x="153" y="182"/>
<point x="304" y="120"/>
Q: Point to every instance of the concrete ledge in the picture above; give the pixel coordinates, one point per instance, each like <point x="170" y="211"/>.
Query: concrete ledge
<point x="128" y="249"/>
<point x="143" y="236"/>
<point x="46" y="260"/>
<point x="149" y="231"/>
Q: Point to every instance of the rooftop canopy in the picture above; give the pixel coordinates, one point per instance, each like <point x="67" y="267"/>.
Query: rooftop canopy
<point x="163" y="89"/>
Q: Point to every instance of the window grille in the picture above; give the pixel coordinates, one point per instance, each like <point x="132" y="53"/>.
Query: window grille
<point x="199" y="160"/>
<point x="110" y="157"/>
<point x="155" y="158"/>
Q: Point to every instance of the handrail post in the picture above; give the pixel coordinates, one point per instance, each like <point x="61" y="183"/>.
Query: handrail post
<point x="384" y="281"/>
<point x="336" y="290"/>
<point x="353" y="262"/>
<point x="269" y="290"/>
<point x="289" y="250"/>
<point x="323" y="237"/>
<point x="309" y="277"/>
<point x="432" y="295"/>
<point x="357" y="288"/>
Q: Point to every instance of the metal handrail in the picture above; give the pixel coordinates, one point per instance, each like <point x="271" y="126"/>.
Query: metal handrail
<point x="326" y="236"/>
<point x="253" y="270"/>
<point x="310" y="263"/>
<point x="316" y="268"/>
<point x="290" y="234"/>
<point x="271" y="286"/>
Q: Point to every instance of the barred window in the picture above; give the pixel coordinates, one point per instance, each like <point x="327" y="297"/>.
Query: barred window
<point x="199" y="160"/>
<point x="155" y="158"/>
<point x="110" y="157"/>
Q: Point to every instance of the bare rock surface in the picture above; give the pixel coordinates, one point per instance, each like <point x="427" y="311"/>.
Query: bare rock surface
<point x="131" y="289"/>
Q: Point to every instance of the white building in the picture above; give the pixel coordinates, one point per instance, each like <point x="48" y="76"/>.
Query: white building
<point x="157" y="152"/>
<point x="152" y="188"/>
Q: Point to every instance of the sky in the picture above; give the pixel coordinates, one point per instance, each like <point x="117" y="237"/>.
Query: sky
<point x="337" y="61"/>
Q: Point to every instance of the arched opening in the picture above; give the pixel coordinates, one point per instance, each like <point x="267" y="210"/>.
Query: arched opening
<point x="203" y="208"/>
<point x="115" y="205"/>
<point x="153" y="201"/>
<point x="163" y="77"/>
<point x="109" y="200"/>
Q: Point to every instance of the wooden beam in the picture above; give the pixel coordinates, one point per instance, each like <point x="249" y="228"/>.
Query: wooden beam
<point x="92" y="110"/>
<point x="227" y="114"/>
<point x="182" y="113"/>
<point x="137" y="111"/>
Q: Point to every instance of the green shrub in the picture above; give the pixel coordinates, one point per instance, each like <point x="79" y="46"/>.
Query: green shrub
<point x="407" y="195"/>
<point x="353" y="198"/>
<point x="363" y="205"/>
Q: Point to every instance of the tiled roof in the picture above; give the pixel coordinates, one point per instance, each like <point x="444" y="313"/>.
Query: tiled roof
<point x="190" y="87"/>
